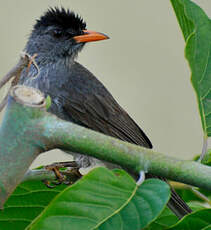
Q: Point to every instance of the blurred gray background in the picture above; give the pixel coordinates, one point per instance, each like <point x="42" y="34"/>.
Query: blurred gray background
<point x="142" y="65"/>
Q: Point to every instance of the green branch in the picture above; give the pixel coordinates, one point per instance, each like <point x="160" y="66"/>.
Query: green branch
<point x="28" y="130"/>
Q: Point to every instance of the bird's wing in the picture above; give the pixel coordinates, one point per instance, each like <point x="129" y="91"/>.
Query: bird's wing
<point x="103" y="114"/>
<point x="106" y="116"/>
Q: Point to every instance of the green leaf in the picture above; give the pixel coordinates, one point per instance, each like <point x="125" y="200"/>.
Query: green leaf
<point x="193" y="198"/>
<point x="207" y="228"/>
<point x="207" y="158"/>
<point x="187" y="194"/>
<point x="168" y="219"/>
<point x="26" y="203"/>
<point x="103" y="199"/>
<point x="196" y="205"/>
<point x="48" y="102"/>
<point x="196" y="28"/>
<point x="165" y="220"/>
<point x="194" y="221"/>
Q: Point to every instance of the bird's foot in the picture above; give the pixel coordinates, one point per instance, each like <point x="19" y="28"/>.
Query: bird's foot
<point x="65" y="172"/>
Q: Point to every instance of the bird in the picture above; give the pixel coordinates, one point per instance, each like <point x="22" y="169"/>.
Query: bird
<point x="76" y="94"/>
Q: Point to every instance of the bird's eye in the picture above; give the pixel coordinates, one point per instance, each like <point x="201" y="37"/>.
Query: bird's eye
<point x="71" y="34"/>
<point x="57" y="33"/>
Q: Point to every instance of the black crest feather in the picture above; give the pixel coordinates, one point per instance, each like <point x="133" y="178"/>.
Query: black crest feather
<point x="62" y="18"/>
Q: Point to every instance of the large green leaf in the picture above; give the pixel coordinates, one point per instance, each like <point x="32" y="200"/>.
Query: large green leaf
<point x="26" y="202"/>
<point x="194" y="221"/>
<point x="196" y="28"/>
<point x="105" y="200"/>
<point x="165" y="220"/>
<point x="207" y="228"/>
<point x="168" y="219"/>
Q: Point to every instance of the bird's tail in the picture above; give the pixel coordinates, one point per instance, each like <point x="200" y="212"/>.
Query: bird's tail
<point x="177" y="205"/>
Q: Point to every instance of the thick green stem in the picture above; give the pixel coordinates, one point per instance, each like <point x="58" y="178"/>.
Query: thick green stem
<point x="27" y="131"/>
<point x="72" y="137"/>
<point x="19" y="144"/>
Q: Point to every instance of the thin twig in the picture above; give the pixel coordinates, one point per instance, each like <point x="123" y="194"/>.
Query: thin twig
<point x="25" y="61"/>
<point x="32" y="61"/>
<point x="194" y="190"/>
<point x="201" y="195"/>
<point x="4" y="101"/>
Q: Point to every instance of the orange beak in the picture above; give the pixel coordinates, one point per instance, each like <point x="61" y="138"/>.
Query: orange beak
<point x="90" y="36"/>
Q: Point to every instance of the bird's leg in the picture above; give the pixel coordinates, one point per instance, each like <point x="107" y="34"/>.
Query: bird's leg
<point x="73" y="174"/>
<point x="59" y="176"/>
<point x="66" y="176"/>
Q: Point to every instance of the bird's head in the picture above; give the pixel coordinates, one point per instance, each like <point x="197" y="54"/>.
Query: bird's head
<point x="60" y="33"/>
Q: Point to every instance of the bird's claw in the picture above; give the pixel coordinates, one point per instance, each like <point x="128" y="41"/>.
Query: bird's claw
<point x="66" y="177"/>
<point x="48" y="184"/>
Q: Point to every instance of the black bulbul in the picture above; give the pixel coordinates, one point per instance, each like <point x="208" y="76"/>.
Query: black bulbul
<point x="76" y="94"/>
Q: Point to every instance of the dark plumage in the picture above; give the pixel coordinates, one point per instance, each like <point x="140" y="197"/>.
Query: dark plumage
<point x="77" y="95"/>
<point x="62" y="18"/>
